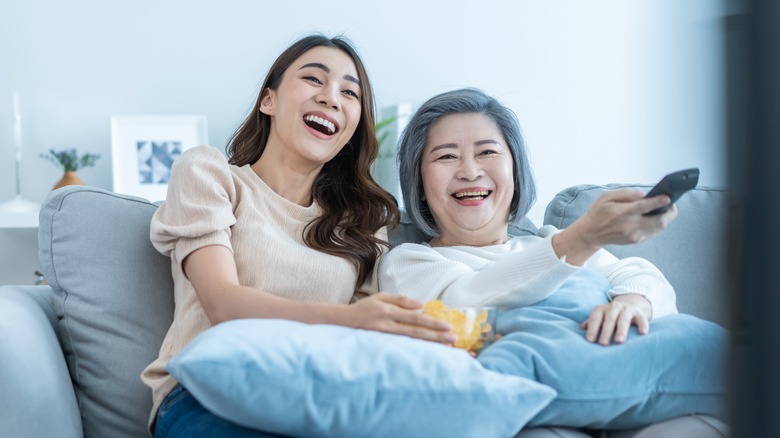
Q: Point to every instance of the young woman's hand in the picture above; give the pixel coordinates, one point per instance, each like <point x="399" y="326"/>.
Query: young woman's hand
<point x="397" y="314"/>
<point x="617" y="217"/>
<point x="608" y="322"/>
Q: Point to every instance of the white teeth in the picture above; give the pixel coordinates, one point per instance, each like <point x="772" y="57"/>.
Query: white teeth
<point x="326" y="123"/>
<point x="472" y="194"/>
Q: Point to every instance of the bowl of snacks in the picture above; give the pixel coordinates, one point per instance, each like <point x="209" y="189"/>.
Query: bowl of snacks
<point x="474" y="327"/>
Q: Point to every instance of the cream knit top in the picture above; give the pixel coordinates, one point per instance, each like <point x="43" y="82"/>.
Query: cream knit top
<point x="211" y="202"/>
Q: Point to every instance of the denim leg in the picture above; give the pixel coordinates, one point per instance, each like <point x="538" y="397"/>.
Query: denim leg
<point x="180" y="415"/>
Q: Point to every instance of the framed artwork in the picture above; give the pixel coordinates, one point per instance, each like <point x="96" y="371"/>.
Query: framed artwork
<point x="144" y="149"/>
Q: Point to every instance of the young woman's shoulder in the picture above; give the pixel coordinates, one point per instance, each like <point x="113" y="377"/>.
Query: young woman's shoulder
<point x="201" y="194"/>
<point x="201" y="168"/>
<point x="201" y="157"/>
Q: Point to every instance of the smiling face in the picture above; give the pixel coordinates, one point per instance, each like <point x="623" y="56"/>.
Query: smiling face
<point x="315" y="109"/>
<point x="467" y="180"/>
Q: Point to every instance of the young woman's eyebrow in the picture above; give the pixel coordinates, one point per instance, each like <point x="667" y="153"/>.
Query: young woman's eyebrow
<point x="326" y="69"/>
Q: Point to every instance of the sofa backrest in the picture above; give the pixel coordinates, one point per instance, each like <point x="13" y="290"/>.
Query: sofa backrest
<point x="691" y="252"/>
<point x="113" y="292"/>
<point x="406" y="231"/>
<point x="113" y="295"/>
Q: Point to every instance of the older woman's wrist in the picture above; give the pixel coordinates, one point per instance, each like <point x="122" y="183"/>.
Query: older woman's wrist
<point x="572" y="245"/>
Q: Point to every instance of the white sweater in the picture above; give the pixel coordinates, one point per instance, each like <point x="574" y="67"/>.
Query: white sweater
<point x="520" y="272"/>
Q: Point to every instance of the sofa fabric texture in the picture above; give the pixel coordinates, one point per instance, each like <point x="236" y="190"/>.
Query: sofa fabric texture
<point x="75" y="349"/>
<point x="112" y="299"/>
<point x="36" y="394"/>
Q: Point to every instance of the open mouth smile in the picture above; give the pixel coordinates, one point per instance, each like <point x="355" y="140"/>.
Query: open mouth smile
<point x="321" y="124"/>
<point x="472" y="195"/>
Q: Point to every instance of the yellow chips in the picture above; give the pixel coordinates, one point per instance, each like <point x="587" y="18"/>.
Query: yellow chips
<point x="471" y="330"/>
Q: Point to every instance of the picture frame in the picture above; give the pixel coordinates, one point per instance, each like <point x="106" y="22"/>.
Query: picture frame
<point x="144" y="148"/>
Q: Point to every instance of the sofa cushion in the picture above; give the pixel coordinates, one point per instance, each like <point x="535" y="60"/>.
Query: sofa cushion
<point x="324" y="380"/>
<point x="113" y="295"/>
<point x="691" y="252"/>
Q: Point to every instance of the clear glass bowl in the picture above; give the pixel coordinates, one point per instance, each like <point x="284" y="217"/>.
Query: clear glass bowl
<point x="474" y="327"/>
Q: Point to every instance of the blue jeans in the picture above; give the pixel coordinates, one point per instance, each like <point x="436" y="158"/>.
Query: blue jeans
<point x="180" y="415"/>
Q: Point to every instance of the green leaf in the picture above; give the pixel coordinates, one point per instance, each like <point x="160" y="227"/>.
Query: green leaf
<point x="384" y="122"/>
<point x="69" y="160"/>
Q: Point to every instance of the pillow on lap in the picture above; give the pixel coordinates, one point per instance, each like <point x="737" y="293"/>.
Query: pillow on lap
<point x="321" y="380"/>
<point x="678" y="368"/>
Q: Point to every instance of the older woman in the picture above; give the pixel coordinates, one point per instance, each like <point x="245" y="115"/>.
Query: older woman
<point x="465" y="176"/>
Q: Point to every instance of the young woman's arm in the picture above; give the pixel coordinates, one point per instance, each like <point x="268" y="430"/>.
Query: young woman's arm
<point x="212" y="272"/>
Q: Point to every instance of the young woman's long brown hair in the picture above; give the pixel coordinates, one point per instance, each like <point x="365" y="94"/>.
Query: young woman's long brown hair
<point x="354" y="206"/>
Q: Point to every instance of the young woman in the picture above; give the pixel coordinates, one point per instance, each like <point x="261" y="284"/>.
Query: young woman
<point x="567" y="302"/>
<point x="289" y="226"/>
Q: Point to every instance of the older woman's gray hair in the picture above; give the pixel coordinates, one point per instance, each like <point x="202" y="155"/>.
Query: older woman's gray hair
<point x="415" y="136"/>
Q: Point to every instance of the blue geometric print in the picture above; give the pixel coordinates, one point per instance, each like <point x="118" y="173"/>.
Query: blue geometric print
<point x="155" y="159"/>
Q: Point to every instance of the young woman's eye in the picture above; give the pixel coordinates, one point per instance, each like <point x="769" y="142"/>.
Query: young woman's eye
<point x="313" y="79"/>
<point x="351" y="93"/>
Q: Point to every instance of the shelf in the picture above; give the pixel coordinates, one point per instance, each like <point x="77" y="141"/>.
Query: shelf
<point x="19" y="213"/>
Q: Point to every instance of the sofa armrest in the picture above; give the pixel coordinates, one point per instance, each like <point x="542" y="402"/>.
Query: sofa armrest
<point x="691" y="252"/>
<point x="37" y="399"/>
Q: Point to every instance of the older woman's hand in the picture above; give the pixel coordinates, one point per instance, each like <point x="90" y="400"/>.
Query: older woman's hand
<point x="612" y="321"/>
<point x="617" y="217"/>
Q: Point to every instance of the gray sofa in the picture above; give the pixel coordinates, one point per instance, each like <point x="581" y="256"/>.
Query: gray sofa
<point x="71" y="352"/>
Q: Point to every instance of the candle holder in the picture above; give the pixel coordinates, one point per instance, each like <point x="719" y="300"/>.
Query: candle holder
<point x="18" y="212"/>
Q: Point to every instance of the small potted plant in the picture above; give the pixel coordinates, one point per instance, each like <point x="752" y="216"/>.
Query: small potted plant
<point x="70" y="162"/>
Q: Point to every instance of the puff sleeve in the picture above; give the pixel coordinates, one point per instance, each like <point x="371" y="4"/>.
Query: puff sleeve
<point x="199" y="208"/>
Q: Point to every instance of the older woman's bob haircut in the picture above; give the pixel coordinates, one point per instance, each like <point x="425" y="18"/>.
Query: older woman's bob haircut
<point x="415" y="137"/>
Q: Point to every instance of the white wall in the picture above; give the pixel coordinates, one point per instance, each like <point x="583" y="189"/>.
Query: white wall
<point x="606" y="90"/>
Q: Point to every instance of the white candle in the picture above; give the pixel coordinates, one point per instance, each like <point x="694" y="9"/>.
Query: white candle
<point x="17" y="123"/>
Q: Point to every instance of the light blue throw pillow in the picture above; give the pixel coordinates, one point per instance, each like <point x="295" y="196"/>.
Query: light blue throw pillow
<point x="678" y="368"/>
<point x="330" y="381"/>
